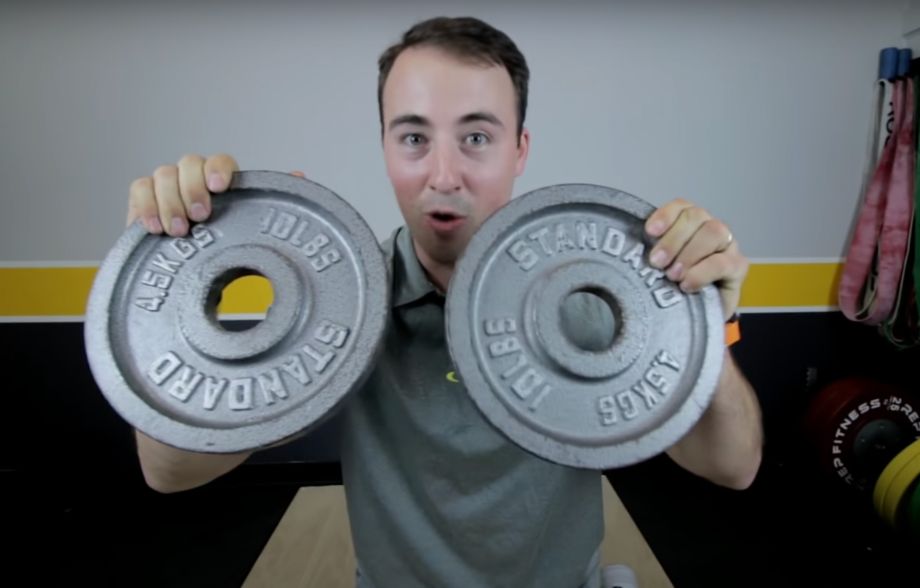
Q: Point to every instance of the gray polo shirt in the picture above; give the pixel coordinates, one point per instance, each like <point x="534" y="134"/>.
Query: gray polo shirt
<point x="437" y="497"/>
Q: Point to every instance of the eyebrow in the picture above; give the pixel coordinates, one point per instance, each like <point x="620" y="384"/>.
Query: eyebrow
<point x="415" y="119"/>
<point x="481" y="117"/>
<point x="409" y="119"/>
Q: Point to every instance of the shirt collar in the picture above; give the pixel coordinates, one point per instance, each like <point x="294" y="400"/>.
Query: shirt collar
<point x="412" y="282"/>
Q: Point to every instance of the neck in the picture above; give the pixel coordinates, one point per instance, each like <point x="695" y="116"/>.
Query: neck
<point x="438" y="272"/>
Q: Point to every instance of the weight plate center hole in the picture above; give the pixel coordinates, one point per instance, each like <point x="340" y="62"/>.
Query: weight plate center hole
<point x="879" y="441"/>
<point x="590" y="319"/>
<point x="239" y="291"/>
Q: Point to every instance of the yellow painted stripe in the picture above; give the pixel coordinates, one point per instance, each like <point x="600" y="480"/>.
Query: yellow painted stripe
<point x="791" y="284"/>
<point x="45" y="291"/>
<point x="63" y="291"/>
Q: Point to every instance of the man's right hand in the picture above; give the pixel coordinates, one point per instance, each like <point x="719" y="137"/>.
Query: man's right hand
<point x="176" y="194"/>
<point x="169" y="199"/>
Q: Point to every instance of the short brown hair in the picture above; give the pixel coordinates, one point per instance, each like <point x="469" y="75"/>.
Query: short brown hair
<point x="466" y="38"/>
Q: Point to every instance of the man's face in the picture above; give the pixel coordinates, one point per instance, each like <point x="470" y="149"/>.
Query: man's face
<point x="451" y="147"/>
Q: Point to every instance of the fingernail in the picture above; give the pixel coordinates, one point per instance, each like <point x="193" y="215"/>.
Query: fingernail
<point x="198" y="212"/>
<point x="658" y="258"/>
<point x="674" y="273"/>
<point x="656" y="228"/>
<point x="215" y="182"/>
<point x="177" y="225"/>
<point x="153" y="225"/>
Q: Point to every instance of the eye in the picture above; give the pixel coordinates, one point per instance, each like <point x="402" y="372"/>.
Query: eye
<point x="413" y="139"/>
<point x="477" y="139"/>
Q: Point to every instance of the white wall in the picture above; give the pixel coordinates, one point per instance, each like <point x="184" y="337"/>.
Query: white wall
<point x="910" y="26"/>
<point x="758" y="110"/>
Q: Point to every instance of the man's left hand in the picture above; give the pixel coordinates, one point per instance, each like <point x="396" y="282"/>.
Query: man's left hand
<point x="695" y="250"/>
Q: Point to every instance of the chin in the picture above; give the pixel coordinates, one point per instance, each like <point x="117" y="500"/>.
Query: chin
<point x="448" y="254"/>
<point x="443" y="251"/>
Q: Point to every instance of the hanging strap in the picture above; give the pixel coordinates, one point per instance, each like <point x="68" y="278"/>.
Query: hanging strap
<point x="875" y="265"/>
<point x="916" y="233"/>
<point x="903" y="327"/>
<point x="858" y="285"/>
<point x="898" y="217"/>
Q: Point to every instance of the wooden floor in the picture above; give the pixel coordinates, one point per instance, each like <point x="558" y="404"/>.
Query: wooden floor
<point x="311" y="547"/>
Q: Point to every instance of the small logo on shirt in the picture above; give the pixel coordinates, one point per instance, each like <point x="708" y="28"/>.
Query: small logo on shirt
<point x="452" y="377"/>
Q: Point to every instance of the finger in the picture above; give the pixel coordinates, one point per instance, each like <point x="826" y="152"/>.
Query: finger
<point x="679" y="233"/>
<point x="710" y="238"/>
<point x="299" y="174"/>
<point x="727" y="270"/>
<point x="192" y="188"/>
<point x="218" y="171"/>
<point x="166" y="191"/>
<point x="659" y="221"/>
<point x="142" y="205"/>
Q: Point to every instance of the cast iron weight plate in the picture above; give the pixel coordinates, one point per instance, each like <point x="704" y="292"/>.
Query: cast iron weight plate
<point x="165" y="364"/>
<point x="554" y="392"/>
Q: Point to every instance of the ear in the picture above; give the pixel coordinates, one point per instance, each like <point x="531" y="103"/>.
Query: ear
<point x="523" y="150"/>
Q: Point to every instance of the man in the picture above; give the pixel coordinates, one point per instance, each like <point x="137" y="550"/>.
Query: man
<point x="436" y="496"/>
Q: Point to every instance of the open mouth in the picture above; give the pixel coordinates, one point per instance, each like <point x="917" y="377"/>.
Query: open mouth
<point x="444" y="221"/>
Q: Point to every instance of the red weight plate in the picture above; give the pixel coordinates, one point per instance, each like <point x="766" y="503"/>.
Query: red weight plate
<point x="820" y="407"/>
<point x="860" y="425"/>
<point x="825" y="412"/>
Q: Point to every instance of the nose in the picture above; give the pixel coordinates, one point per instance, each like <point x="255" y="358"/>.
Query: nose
<point x="445" y="171"/>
